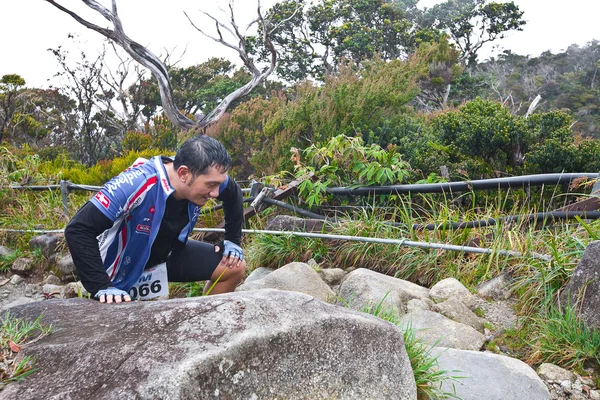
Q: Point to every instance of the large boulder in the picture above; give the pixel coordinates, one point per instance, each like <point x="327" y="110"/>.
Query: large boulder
<point x="363" y="288"/>
<point x="436" y="330"/>
<point x="264" y="344"/>
<point x="583" y="289"/>
<point x="258" y="273"/>
<point x="295" y="277"/>
<point x="489" y="376"/>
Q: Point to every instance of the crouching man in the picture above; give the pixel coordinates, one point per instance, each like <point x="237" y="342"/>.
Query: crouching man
<point x="131" y="238"/>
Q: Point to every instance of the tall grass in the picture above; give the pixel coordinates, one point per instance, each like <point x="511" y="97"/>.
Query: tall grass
<point x="561" y="337"/>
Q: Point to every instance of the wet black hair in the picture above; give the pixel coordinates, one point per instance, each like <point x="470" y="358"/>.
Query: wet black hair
<point x="199" y="153"/>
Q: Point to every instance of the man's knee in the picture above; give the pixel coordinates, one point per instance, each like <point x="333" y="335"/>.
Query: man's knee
<point x="231" y="274"/>
<point x="238" y="273"/>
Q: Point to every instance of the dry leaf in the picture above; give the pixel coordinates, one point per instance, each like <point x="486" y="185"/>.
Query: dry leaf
<point x="14" y="347"/>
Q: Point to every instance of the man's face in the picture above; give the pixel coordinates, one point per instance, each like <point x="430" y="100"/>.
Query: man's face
<point x="205" y="186"/>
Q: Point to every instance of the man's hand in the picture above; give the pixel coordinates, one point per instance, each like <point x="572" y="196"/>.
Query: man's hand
<point x="112" y="293"/>
<point x="233" y="255"/>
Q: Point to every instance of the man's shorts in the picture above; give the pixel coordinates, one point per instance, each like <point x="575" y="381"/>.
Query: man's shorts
<point x="195" y="262"/>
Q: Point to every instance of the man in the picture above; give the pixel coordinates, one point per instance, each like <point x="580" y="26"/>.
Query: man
<point x="141" y="219"/>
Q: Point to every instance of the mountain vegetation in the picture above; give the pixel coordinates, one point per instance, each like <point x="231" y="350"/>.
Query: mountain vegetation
<point x="365" y="92"/>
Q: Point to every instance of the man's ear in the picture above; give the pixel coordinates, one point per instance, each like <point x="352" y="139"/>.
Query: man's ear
<point x="183" y="173"/>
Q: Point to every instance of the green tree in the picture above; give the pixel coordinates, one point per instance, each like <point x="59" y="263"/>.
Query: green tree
<point x="483" y="137"/>
<point x="313" y="37"/>
<point x="443" y="68"/>
<point x="11" y="86"/>
<point x="473" y="23"/>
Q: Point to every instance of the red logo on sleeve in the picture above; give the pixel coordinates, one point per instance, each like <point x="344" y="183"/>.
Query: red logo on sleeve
<point x="103" y="200"/>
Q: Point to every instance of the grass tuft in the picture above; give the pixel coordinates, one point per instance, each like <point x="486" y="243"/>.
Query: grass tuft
<point x="14" y="334"/>
<point x="564" y="339"/>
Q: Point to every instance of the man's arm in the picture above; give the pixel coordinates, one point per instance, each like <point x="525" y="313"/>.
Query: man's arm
<point x="233" y="207"/>
<point x="81" y="234"/>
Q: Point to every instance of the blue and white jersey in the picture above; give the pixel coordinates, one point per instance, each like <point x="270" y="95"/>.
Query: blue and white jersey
<point x="135" y="201"/>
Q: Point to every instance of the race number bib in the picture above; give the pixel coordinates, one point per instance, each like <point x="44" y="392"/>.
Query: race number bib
<point x="153" y="283"/>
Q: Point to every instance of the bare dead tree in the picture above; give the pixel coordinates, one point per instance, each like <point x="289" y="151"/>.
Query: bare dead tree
<point x="159" y="70"/>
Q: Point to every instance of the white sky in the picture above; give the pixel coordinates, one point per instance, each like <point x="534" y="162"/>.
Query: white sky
<point x="29" y="27"/>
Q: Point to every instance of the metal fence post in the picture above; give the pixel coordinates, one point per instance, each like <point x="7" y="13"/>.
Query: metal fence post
<point x="64" y="194"/>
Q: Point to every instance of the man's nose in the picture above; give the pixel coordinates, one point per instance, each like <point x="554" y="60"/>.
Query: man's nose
<point x="214" y="193"/>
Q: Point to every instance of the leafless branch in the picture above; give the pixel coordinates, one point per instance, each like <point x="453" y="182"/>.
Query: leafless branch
<point x="240" y="48"/>
<point x="158" y="68"/>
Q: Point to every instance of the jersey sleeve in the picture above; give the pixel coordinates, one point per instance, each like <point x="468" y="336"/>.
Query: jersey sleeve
<point x="230" y="194"/>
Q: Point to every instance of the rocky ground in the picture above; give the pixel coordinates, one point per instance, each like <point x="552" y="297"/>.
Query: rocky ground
<point x="30" y="282"/>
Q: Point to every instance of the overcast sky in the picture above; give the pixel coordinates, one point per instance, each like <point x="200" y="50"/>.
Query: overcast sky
<point x="29" y="27"/>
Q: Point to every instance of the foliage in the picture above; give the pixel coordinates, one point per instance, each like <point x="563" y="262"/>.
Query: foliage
<point x="187" y="289"/>
<point x="14" y="333"/>
<point x="312" y="37"/>
<point x="345" y="160"/>
<point x="472" y="23"/>
<point x="6" y="261"/>
<point x="96" y="132"/>
<point x="253" y="147"/>
<point x="562" y="338"/>
<point x="485" y="135"/>
<point x="566" y="81"/>
<point x="261" y="132"/>
<point x="443" y="69"/>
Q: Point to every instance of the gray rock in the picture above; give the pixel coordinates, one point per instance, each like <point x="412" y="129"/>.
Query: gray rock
<point x="16" y="279"/>
<point x="363" y="288"/>
<point x="263" y="344"/>
<point x="22" y="266"/>
<point x="490" y="376"/>
<point x="289" y="223"/>
<point x="498" y="288"/>
<point x="52" y="279"/>
<point x="595" y="394"/>
<point x="551" y="372"/>
<point x="418" y="304"/>
<point x="583" y="289"/>
<point x="56" y="291"/>
<point x="437" y="330"/>
<point x="296" y="277"/>
<point x="457" y="311"/>
<point x="6" y="252"/>
<point x="258" y="273"/>
<point x="332" y="276"/>
<point x="47" y="243"/>
<point x="31" y="289"/>
<point x="567" y="387"/>
<point x="74" y="289"/>
<point x="313" y="264"/>
<point x="498" y="313"/>
<point x="66" y="266"/>
<point x="451" y="287"/>
<point x="19" y="302"/>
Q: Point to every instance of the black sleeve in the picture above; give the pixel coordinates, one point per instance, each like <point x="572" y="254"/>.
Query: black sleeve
<point x="233" y="207"/>
<point x="82" y="234"/>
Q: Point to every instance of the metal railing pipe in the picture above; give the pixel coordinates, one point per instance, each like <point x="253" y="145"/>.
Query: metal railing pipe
<point x="465" y="186"/>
